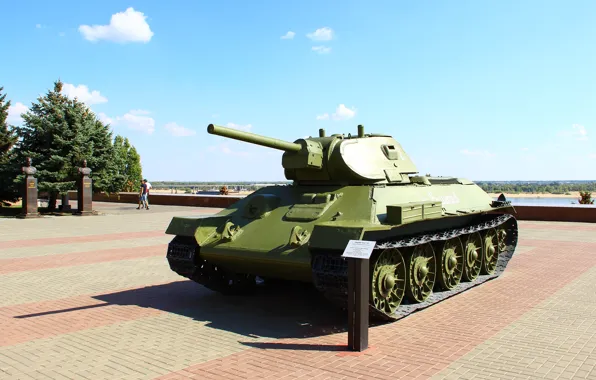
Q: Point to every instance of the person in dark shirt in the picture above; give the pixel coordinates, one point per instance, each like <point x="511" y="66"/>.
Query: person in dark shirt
<point x="143" y="196"/>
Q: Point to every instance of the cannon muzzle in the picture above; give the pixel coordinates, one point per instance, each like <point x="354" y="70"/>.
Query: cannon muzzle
<point x="253" y="138"/>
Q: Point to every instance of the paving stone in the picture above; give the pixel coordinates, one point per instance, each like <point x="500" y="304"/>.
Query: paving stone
<point x="79" y="301"/>
<point x="16" y="249"/>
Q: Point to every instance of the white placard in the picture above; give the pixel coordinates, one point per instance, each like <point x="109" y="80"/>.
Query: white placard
<point x="359" y="249"/>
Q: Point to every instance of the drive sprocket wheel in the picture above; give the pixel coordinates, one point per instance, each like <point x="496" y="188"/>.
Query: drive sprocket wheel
<point x="472" y="257"/>
<point x="490" y="252"/>
<point x="451" y="263"/>
<point x="421" y="273"/>
<point x="388" y="281"/>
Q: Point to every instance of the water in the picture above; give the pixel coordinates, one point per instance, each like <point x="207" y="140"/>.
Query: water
<point x="545" y="201"/>
<point x="516" y="201"/>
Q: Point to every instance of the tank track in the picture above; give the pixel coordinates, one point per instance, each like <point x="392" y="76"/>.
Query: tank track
<point x="330" y="271"/>
<point x="184" y="259"/>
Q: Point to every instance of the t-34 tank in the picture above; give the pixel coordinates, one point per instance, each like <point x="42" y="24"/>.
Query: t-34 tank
<point x="435" y="236"/>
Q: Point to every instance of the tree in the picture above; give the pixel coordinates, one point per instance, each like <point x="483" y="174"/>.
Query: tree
<point x="58" y="134"/>
<point x="101" y="160"/>
<point x="7" y="136"/>
<point x="8" y="139"/>
<point x="585" y="198"/>
<point x="119" y="176"/>
<point x="128" y="162"/>
<point x="134" y="170"/>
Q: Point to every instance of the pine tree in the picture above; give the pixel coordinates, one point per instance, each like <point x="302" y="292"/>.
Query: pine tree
<point x="8" y="139"/>
<point x="58" y="134"/>
<point x="101" y="159"/>
<point x="7" y="136"/>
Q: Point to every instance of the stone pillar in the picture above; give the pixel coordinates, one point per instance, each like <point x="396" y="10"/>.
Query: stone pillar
<point x="84" y="191"/>
<point x="29" y="203"/>
<point x="65" y="200"/>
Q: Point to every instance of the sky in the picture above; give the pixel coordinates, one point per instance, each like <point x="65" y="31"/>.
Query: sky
<point x="484" y="90"/>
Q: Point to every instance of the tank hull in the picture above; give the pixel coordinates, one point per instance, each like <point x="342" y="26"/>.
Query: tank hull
<point x="299" y="232"/>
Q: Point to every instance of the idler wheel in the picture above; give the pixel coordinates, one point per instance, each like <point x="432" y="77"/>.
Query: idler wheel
<point x="421" y="273"/>
<point x="451" y="263"/>
<point x="388" y="281"/>
<point x="472" y="257"/>
<point x="490" y="252"/>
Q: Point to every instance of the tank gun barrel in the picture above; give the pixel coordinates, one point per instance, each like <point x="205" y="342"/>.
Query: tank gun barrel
<point x="253" y="138"/>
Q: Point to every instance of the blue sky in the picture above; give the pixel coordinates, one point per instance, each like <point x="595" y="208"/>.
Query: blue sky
<point x="487" y="90"/>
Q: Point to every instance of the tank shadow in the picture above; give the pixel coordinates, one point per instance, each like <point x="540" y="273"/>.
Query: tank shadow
<point x="283" y="310"/>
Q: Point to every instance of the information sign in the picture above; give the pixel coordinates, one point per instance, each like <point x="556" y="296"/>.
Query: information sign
<point x="359" y="249"/>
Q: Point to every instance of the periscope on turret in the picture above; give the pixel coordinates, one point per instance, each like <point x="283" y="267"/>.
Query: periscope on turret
<point x="435" y="236"/>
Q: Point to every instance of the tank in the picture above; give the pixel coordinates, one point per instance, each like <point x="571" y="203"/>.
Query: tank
<point x="435" y="237"/>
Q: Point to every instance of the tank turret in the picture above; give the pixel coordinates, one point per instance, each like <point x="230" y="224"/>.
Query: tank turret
<point x="359" y="159"/>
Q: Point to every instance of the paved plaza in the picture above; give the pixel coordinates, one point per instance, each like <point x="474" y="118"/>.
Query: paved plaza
<point x="93" y="298"/>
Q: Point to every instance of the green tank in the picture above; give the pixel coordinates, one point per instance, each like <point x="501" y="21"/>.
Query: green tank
<point x="434" y="236"/>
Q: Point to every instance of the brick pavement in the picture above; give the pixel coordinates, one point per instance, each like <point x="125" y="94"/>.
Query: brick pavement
<point x="562" y="347"/>
<point x="93" y="298"/>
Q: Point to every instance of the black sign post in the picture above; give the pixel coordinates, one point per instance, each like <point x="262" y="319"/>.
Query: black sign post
<point x="358" y="254"/>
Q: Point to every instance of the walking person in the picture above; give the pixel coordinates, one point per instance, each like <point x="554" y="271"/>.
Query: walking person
<point x="143" y="196"/>
<point x="149" y="187"/>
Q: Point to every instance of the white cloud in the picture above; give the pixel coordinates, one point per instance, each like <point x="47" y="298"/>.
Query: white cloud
<point x="321" y="49"/>
<point x="178" y="130"/>
<point x="127" y="26"/>
<point x="578" y="131"/>
<point x="133" y="119"/>
<point x="38" y="26"/>
<point x="82" y="93"/>
<point x="14" y="113"/>
<point x="524" y="149"/>
<point x="341" y="113"/>
<point x="288" y="36"/>
<point x="104" y="118"/>
<point x="321" y="34"/>
<point x="137" y="122"/>
<point x="62" y="34"/>
<point x="592" y="155"/>
<point x="246" y="127"/>
<point x="477" y="153"/>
